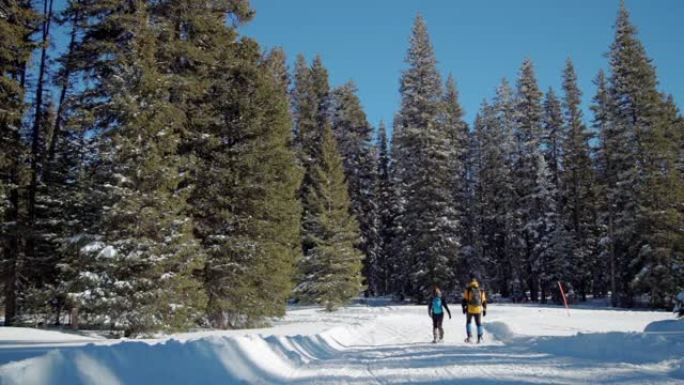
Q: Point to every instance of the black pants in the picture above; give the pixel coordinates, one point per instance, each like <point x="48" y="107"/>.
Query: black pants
<point x="478" y="318"/>
<point x="437" y="321"/>
<point x="437" y="330"/>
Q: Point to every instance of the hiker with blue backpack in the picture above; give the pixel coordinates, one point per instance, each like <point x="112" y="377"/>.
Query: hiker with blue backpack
<point x="436" y="306"/>
<point x="474" y="306"/>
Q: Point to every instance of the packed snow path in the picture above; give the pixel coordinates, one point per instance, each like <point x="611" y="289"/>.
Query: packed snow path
<point x="370" y="345"/>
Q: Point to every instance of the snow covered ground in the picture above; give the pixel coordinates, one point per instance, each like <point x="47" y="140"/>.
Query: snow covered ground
<point x="369" y="345"/>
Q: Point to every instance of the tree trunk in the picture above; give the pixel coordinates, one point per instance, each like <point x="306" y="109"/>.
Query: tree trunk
<point x="534" y="294"/>
<point x="12" y="252"/>
<point x="73" y="315"/>
<point x="36" y="151"/>
<point x="59" y="117"/>
<point x="613" y="285"/>
<point x="531" y="281"/>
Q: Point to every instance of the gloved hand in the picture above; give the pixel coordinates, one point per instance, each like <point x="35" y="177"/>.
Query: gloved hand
<point x="464" y="310"/>
<point x="484" y="313"/>
<point x="449" y="316"/>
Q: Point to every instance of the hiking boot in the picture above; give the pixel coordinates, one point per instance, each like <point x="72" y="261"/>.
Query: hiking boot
<point x="468" y="340"/>
<point x="479" y="339"/>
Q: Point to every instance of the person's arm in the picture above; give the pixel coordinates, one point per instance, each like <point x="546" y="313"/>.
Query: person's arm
<point x="464" y="302"/>
<point x="484" y="304"/>
<point x="447" y="308"/>
<point x="430" y="307"/>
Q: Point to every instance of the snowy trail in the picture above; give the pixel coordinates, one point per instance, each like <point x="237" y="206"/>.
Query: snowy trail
<point x="375" y="357"/>
<point x="366" y="345"/>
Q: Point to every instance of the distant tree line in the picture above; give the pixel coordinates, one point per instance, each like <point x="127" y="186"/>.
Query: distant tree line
<point x="532" y="195"/>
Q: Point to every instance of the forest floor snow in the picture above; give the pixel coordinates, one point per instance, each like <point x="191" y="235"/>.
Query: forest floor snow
<point x="368" y="345"/>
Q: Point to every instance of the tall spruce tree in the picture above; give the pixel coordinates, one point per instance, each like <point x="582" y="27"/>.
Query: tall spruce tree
<point x="604" y="166"/>
<point x="555" y="245"/>
<point x="354" y="134"/>
<point x="146" y="263"/>
<point x="661" y="199"/>
<point x="311" y="107"/>
<point x="244" y="206"/>
<point x="552" y="248"/>
<point x="494" y="193"/>
<point x="578" y="192"/>
<point x="507" y="245"/>
<point x="37" y="135"/>
<point x="17" y="23"/>
<point x="623" y="145"/>
<point x="529" y="115"/>
<point x="553" y="136"/>
<point x="400" y="284"/>
<point x="429" y="218"/>
<point x="457" y="133"/>
<point x="638" y="162"/>
<point x="468" y="222"/>
<point x="386" y="217"/>
<point x="76" y="182"/>
<point x="250" y="222"/>
<point x="330" y="273"/>
<point x="489" y="163"/>
<point x="52" y="191"/>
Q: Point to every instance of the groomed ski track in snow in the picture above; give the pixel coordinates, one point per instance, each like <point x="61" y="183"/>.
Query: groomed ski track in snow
<point x="369" y="345"/>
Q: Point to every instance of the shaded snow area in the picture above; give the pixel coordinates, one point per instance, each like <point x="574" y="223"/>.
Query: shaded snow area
<point x="369" y="345"/>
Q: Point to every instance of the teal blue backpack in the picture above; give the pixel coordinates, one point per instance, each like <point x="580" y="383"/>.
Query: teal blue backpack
<point x="436" y="305"/>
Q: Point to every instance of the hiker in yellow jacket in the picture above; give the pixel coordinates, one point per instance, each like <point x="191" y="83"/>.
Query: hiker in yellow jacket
<point x="474" y="306"/>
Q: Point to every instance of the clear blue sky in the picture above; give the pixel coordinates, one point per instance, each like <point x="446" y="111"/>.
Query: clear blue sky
<point x="480" y="42"/>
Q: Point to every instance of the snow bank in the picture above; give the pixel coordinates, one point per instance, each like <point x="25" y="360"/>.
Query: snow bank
<point x="666" y="326"/>
<point x="249" y="359"/>
<point x="537" y="321"/>
<point x="678" y="372"/>
<point x="636" y="348"/>
<point x="10" y="335"/>
<point x="500" y="331"/>
<point x="221" y="360"/>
